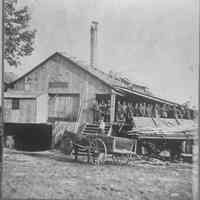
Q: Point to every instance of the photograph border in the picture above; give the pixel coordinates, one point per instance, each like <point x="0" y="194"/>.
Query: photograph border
<point x="196" y="180"/>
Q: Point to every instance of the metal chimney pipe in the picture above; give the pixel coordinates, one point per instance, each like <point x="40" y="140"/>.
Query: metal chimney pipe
<point x="93" y="43"/>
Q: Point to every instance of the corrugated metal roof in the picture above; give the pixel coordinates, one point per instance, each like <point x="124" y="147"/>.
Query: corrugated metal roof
<point x="148" y="96"/>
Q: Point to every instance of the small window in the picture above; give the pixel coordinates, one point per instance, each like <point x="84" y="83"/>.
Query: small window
<point x="58" y="84"/>
<point x="15" y="104"/>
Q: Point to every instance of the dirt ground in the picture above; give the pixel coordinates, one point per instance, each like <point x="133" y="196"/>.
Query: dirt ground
<point x="51" y="174"/>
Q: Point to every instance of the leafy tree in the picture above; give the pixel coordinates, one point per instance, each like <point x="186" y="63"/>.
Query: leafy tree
<point x="18" y="37"/>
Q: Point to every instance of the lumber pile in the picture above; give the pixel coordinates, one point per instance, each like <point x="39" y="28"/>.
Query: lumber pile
<point x="176" y="132"/>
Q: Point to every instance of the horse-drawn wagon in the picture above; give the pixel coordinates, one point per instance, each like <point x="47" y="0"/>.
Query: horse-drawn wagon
<point x="101" y="147"/>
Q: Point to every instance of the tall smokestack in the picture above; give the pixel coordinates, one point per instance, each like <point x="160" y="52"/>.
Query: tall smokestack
<point x="93" y="43"/>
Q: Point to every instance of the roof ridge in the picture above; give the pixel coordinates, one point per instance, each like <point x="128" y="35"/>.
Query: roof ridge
<point x="103" y="76"/>
<point x="96" y="68"/>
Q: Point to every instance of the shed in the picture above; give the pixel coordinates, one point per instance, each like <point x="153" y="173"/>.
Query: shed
<point x="25" y="107"/>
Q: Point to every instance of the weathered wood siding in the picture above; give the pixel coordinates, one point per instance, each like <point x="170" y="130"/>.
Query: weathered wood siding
<point x="42" y="108"/>
<point x="25" y="114"/>
<point x="64" y="107"/>
<point x="72" y="78"/>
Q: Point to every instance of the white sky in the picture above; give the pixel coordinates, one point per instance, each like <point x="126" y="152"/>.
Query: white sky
<point x="152" y="41"/>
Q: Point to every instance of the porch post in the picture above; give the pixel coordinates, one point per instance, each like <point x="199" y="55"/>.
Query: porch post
<point x="112" y="108"/>
<point x="184" y="147"/>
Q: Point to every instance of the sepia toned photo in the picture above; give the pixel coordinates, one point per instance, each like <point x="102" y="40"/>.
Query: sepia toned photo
<point x="99" y="99"/>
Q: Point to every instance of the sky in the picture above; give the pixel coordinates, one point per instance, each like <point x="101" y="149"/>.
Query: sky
<point x="153" y="42"/>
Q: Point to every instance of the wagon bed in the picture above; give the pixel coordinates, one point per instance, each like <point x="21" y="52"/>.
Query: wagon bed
<point x="110" y="146"/>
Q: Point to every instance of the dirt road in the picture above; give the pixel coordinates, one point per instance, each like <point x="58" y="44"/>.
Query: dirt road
<point x="50" y="174"/>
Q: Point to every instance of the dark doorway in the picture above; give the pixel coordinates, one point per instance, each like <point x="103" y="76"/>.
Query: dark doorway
<point x="30" y="137"/>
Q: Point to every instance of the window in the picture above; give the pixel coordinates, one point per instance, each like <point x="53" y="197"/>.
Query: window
<point x="64" y="107"/>
<point x="15" y="104"/>
<point x="58" y="84"/>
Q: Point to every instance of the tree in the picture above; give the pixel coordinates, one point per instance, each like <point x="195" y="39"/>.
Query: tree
<point x="18" y="37"/>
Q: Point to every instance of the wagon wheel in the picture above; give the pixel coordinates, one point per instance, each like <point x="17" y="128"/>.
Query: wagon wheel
<point x="99" y="151"/>
<point x="120" y="159"/>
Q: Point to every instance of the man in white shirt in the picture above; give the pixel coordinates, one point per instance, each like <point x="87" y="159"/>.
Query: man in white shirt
<point x="102" y="126"/>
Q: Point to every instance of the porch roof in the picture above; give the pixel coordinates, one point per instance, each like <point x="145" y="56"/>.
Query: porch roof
<point x="127" y="91"/>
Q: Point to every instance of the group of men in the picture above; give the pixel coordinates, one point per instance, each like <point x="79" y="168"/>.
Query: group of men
<point x="125" y="111"/>
<point x="101" y="110"/>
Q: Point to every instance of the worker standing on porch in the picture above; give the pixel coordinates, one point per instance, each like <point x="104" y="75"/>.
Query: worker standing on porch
<point x="102" y="125"/>
<point x="129" y="112"/>
<point x="102" y="108"/>
<point x="156" y="111"/>
<point x="96" y="111"/>
<point x="136" y="108"/>
<point x="124" y="110"/>
<point x="175" y="112"/>
<point x="107" y="114"/>
<point x="149" y="110"/>
<point x="119" y="111"/>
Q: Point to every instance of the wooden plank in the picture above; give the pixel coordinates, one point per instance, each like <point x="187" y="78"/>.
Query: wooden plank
<point x="42" y="108"/>
<point x="123" y="143"/>
<point x="141" y="122"/>
<point x="165" y="137"/>
<point x="64" y="107"/>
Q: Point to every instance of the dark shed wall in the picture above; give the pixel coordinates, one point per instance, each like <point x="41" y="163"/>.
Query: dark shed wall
<point x="29" y="136"/>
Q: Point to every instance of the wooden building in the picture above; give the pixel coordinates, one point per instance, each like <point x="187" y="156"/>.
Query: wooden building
<point x="66" y="85"/>
<point x="22" y="107"/>
<point x="61" y="91"/>
<point x="62" y="88"/>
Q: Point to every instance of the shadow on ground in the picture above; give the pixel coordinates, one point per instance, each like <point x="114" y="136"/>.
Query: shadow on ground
<point x="61" y="157"/>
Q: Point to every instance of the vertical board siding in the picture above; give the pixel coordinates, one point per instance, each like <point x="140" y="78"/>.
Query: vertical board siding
<point x="25" y="114"/>
<point x="65" y="107"/>
<point x="58" y="69"/>
<point x="7" y="109"/>
<point x="42" y="109"/>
